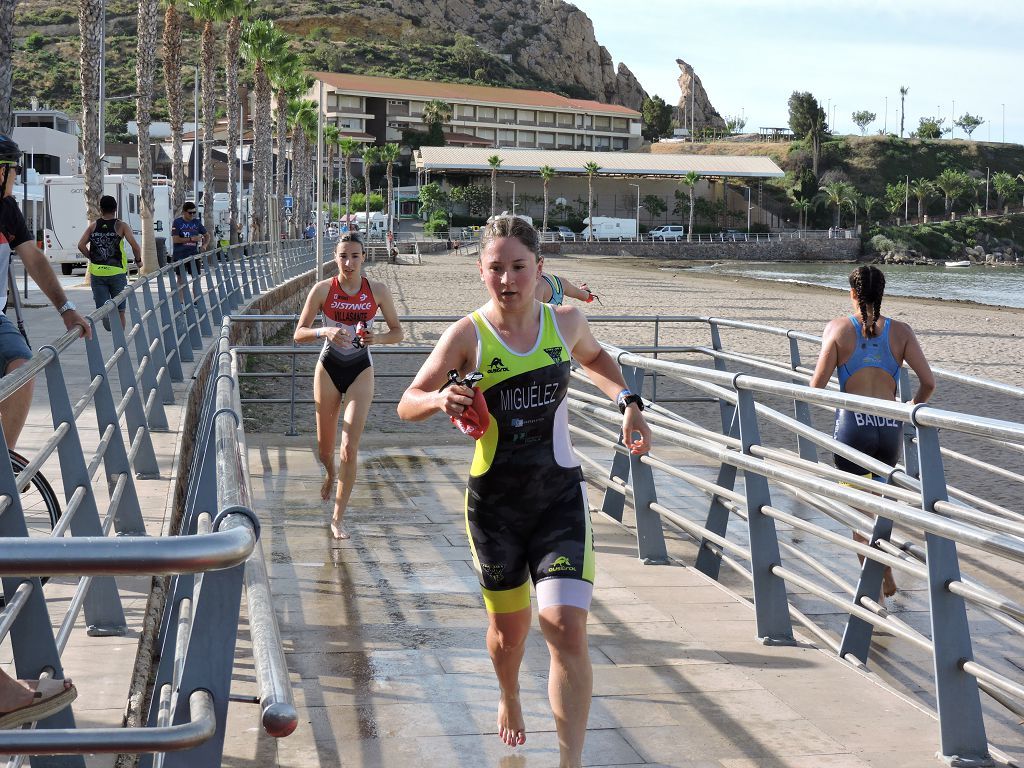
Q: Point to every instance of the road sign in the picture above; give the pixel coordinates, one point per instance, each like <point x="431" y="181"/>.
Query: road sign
<point x="288" y="201"/>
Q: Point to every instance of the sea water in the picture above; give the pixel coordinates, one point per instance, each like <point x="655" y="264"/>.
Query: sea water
<point x="997" y="286"/>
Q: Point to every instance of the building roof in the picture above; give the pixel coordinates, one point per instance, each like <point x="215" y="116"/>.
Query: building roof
<point x="471" y="94"/>
<point x="471" y="159"/>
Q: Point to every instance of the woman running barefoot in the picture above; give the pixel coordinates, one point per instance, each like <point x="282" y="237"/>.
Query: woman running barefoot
<point x="868" y="349"/>
<point x="344" y="373"/>
<point x="526" y="504"/>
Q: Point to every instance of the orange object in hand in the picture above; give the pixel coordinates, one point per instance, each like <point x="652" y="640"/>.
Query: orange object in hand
<point x="475" y="419"/>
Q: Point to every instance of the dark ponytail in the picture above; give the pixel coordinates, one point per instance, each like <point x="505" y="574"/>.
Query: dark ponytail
<point x="868" y="284"/>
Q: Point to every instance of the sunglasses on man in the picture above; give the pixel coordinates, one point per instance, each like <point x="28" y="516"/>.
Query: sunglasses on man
<point x="16" y="168"/>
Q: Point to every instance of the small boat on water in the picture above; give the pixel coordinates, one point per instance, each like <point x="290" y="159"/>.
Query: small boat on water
<point x="964" y="263"/>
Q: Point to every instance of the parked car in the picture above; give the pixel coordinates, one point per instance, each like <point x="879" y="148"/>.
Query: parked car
<point x="668" y="232"/>
<point x="561" y="233"/>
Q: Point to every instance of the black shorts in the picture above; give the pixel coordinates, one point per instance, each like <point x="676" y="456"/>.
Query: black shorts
<point x="531" y="524"/>
<point x="875" y="436"/>
<point x="187" y="266"/>
<point x="344" y="370"/>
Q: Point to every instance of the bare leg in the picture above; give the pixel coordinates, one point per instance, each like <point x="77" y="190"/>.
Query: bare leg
<point x="570" y="681"/>
<point x="15" y="408"/>
<point x="888" y="582"/>
<point x="506" y="644"/>
<point x="328" y="407"/>
<point x="357" y="405"/>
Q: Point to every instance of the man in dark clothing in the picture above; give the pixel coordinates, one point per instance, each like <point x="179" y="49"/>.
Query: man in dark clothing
<point x="189" y="237"/>
<point x="102" y="244"/>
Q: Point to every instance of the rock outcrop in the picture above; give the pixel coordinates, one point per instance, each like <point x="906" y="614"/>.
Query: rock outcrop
<point x="704" y="114"/>
<point x="553" y="39"/>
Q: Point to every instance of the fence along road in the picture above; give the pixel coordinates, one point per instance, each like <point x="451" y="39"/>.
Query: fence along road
<point x="382" y="620"/>
<point x="81" y="429"/>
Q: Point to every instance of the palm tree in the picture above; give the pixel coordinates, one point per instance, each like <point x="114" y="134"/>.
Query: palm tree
<point x="331" y="136"/>
<point x="144" y="66"/>
<point x="903" y="100"/>
<point x="207" y="12"/>
<point x="260" y="39"/>
<point x="690" y="182"/>
<point x="234" y="11"/>
<point x="388" y="154"/>
<point x="371" y="156"/>
<point x="836" y="193"/>
<point x="1005" y="185"/>
<point x="953" y="183"/>
<point x="495" y="162"/>
<point x="301" y="115"/>
<point x="90" y="23"/>
<point x="922" y="189"/>
<point x="869" y="203"/>
<point x="349" y="148"/>
<point x="175" y="100"/>
<point x="6" y="65"/>
<point x="547" y="173"/>
<point x="802" y="206"/>
<point x="437" y="113"/>
<point x="591" y="169"/>
<point x="289" y="82"/>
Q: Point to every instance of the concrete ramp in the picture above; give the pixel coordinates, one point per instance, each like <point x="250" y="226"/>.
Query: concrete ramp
<point x="385" y="642"/>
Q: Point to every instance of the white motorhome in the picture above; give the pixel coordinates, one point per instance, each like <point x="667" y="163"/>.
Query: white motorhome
<point x="64" y="214"/>
<point x="378" y="224"/>
<point x="609" y="228"/>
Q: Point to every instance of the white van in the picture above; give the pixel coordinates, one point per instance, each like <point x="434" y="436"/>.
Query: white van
<point x="668" y="232"/>
<point x="378" y="224"/>
<point x="64" y="214"/>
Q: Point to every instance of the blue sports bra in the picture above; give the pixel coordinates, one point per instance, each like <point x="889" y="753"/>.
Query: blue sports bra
<point x="869" y="353"/>
<point x="557" y="292"/>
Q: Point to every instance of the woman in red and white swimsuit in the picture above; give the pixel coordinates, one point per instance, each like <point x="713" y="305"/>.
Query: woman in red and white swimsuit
<point x="348" y="304"/>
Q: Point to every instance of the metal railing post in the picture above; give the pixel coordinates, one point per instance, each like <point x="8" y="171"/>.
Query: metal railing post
<point x="202" y="261"/>
<point x="726" y="409"/>
<point x="771" y="606"/>
<point x="708" y="561"/>
<point x="215" y="292"/>
<point x="149" y="368"/>
<point x="135" y="414"/>
<point x="802" y="411"/>
<point x="128" y="515"/>
<point x="179" y="293"/>
<point x="857" y="635"/>
<point x="31" y="635"/>
<point x="910" y="457"/>
<point x="156" y="347"/>
<point x="961" y="724"/>
<point x="103" y="612"/>
<point x="650" y="534"/>
<point x="172" y="350"/>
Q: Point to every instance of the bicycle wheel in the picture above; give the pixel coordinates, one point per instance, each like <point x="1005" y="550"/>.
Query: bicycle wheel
<point x="38" y="501"/>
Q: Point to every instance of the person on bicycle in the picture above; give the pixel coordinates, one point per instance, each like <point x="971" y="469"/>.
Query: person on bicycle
<point x="24" y="701"/>
<point x="15" y="238"/>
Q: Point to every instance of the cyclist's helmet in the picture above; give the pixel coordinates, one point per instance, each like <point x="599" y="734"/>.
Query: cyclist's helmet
<point x="9" y="152"/>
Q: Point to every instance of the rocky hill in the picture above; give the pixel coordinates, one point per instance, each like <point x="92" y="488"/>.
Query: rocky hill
<point x="554" y="48"/>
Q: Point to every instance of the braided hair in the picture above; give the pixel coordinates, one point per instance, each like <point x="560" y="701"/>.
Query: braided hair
<point x="868" y="284"/>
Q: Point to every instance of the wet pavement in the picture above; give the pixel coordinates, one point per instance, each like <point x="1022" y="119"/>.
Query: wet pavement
<point x="384" y="636"/>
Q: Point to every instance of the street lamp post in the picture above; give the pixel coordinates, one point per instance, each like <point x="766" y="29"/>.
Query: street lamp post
<point x="986" y="189"/>
<point x="749" y="206"/>
<point x="637" y="233"/>
<point x="1004" y="123"/>
<point x="513" y="196"/>
<point x="396" y="211"/>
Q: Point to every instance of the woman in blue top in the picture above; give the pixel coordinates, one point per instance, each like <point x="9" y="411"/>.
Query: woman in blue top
<point x="868" y="350"/>
<point x="552" y="289"/>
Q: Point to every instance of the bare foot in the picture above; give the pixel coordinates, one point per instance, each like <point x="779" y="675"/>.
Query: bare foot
<point x="511" y="726"/>
<point x="337" y="531"/>
<point x="327" y="489"/>
<point x="888" y="584"/>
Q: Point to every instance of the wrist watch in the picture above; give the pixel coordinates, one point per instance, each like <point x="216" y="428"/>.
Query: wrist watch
<point x="67" y="306"/>
<point x="627" y="398"/>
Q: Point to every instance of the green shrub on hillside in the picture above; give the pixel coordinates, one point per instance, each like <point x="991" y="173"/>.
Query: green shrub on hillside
<point x="942" y="240"/>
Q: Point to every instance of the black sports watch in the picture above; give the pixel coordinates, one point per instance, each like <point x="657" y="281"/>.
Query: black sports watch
<point x="626" y="399"/>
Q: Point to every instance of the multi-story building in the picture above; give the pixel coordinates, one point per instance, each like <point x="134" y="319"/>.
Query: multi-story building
<point x="49" y="139"/>
<point x="376" y="110"/>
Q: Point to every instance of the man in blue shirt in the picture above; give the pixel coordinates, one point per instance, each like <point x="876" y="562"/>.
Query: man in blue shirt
<point x="189" y="237"/>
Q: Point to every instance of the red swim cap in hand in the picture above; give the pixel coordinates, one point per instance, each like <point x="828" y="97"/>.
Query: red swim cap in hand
<point x="475" y="419"/>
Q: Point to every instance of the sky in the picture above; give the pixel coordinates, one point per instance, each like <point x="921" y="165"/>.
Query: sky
<point x="852" y="55"/>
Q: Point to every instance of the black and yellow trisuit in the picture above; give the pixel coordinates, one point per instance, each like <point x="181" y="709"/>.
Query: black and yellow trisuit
<point x="526" y="502"/>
